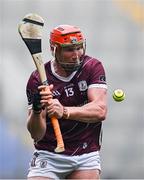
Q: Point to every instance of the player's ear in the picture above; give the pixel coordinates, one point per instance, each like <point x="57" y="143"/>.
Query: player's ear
<point x="52" y="48"/>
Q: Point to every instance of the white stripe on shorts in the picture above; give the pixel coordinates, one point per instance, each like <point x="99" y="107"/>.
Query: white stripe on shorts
<point x="58" y="166"/>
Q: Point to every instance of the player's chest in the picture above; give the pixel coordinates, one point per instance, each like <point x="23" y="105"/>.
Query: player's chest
<point x="73" y="92"/>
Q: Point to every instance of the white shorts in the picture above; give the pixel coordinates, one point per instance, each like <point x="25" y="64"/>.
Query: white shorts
<point x="58" y="166"/>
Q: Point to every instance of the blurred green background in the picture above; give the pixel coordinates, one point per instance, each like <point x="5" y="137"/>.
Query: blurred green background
<point x="114" y="30"/>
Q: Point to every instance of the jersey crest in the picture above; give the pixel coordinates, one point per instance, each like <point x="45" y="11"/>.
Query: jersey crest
<point x="82" y="85"/>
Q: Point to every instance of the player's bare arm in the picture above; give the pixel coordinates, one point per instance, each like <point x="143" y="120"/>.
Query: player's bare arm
<point x="91" y="112"/>
<point x="36" y="124"/>
<point x="37" y="119"/>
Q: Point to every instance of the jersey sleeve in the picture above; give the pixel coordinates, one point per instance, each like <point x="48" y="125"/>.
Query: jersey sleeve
<point x="32" y="88"/>
<point x="97" y="75"/>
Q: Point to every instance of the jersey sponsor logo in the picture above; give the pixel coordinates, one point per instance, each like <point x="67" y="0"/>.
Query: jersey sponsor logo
<point x="56" y="93"/>
<point x="82" y="85"/>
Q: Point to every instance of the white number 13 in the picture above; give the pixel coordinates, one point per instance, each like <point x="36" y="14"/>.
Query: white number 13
<point x="69" y="92"/>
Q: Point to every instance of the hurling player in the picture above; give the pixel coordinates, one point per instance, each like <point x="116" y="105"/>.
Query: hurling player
<point x="79" y="91"/>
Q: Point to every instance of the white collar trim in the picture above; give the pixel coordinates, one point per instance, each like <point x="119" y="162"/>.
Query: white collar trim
<point x="65" y="79"/>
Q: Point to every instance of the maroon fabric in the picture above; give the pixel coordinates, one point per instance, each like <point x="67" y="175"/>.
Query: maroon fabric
<point x="78" y="137"/>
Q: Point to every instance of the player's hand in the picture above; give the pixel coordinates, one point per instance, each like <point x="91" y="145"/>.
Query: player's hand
<point x="55" y="109"/>
<point x="46" y="94"/>
<point x="41" y="98"/>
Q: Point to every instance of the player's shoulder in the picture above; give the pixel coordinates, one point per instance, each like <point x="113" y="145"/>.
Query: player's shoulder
<point x="47" y="64"/>
<point x="90" y="61"/>
<point x="35" y="73"/>
<point x="33" y="80"/>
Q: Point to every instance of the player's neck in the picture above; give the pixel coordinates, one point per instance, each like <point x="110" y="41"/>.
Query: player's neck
<point x="59" y="70"/>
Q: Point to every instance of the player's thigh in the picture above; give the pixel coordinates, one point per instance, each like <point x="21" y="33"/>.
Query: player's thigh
<point x="39" y="178"/>
<point x="85" y="174"/>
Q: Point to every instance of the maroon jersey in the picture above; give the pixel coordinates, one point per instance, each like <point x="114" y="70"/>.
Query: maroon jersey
<point x="79" y="137"/>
